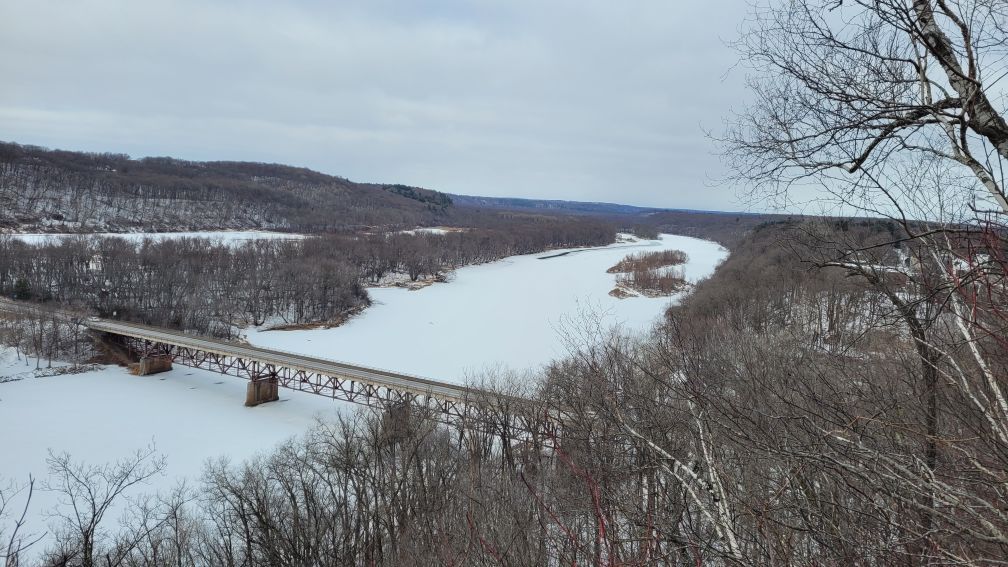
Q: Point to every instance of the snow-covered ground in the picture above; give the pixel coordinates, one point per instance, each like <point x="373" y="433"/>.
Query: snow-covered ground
<point x="231" y="237"/>
<point x="513" y="313"/>
<point x="428" y="230"/>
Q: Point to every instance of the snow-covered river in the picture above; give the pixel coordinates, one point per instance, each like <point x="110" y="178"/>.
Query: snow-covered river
<point x="514" y="313"/>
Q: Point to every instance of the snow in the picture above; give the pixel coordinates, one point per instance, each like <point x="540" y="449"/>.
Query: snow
<point x="511" y="314"/>
<point x="232" y="238"/>
<point x="190" y="414"/>
<point x="427" y="230"/>
<point x="104" y="415"/>
<point x="14" y="367"/>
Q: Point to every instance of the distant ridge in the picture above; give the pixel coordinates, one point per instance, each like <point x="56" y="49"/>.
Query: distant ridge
<point x="571" y="207"/>
<point x="46" y="190"/>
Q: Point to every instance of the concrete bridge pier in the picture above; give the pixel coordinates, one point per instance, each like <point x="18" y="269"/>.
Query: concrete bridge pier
<point x="152" y="364"/>
<point x="262" y="390"/>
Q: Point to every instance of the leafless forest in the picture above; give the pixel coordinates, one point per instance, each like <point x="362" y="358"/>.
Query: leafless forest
<point x="649" y="261"/>
<point x="212" y="288"/>
<point x="51" y="190"/>
<point x="652" y="273"/>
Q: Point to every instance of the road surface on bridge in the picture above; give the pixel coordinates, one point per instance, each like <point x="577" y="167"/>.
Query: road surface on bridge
<point x="402" y="382"/>
<point x="407" y="383"/>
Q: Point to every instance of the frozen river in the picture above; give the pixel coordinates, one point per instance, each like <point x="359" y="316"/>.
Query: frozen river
<point x="514" y="314"/>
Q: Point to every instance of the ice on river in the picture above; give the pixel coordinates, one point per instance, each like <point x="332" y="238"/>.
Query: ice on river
<point x="514" y="313"/>
<point x="101" y="415"/>
<point x="105" y="415"/>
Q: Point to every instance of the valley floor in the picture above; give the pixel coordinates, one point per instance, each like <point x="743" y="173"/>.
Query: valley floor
<point x="517" y="313"/>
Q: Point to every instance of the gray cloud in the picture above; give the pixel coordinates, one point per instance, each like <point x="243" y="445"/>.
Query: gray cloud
<point x="584" y="100"/>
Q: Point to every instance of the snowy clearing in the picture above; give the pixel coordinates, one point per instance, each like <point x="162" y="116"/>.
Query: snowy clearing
<point x="510" y="314"/>
<point x="430" y="230"/>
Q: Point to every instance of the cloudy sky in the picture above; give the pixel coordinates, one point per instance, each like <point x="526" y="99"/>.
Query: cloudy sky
<point x="587" y="100"/>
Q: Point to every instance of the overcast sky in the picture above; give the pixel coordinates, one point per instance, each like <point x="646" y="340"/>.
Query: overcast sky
<point x="585" y="100"/>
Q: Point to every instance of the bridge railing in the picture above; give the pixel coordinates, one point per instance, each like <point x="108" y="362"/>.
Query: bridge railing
<point x="267" y="350"/>
<point x="465" y="389"/>
<point x="462" y="389"/>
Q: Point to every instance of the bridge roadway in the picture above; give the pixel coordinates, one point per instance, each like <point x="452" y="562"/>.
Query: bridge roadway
<point x="382" y="378"/>
<point x="330" y="378"/>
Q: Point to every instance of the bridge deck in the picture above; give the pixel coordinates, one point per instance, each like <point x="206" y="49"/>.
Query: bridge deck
<point x="452" y="394"/>
<point x="402" y="382"/>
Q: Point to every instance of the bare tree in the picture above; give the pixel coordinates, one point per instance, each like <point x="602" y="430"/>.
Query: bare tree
<point x="893" y="108"/>
<point x="18" y="541"/>
<point x="87" y="493"/>
<point x="855" y="94"/>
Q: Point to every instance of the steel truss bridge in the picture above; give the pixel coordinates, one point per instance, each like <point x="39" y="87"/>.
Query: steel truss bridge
<point x="268" y="369"/>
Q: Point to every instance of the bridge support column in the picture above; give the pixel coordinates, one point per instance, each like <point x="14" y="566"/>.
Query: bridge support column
<point x="151" y="365"/>
<point x="261" y="391"/>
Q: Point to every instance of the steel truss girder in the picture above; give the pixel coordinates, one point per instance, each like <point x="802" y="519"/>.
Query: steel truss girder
<point x="478" y="414"/>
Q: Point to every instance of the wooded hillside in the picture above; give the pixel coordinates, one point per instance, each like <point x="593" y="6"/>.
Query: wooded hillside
<point x="42" y="189"/>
